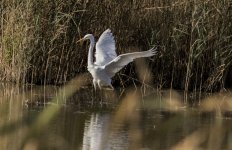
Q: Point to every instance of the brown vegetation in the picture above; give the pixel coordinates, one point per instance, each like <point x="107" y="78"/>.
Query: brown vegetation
<point x="37" y="43"/>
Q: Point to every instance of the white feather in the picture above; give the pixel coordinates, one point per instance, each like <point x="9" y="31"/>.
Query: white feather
<point x="105" y="48"/>
<point x="122" y="60"/>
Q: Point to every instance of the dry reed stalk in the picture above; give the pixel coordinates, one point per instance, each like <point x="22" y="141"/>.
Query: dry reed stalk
<point x="38" y="39"/>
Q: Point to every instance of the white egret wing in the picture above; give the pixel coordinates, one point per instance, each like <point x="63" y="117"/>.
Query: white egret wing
<point x="122" y="60"/>
<point x="105" y="48"/>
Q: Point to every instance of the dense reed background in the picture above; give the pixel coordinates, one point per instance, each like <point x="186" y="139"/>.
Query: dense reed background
<point x="38" y="39"/>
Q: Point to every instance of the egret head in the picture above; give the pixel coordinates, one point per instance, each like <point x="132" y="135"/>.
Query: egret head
<point x="86" y="37"/>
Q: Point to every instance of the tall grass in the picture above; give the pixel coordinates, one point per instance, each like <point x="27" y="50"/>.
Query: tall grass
<point x="15" y="43"/>
<point x="38" y="39"/>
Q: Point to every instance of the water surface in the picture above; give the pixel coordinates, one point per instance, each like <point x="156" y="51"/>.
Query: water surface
<point x="110" y="121"/>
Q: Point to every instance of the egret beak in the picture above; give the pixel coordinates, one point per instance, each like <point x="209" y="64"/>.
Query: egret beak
<point x="80" y="41"/>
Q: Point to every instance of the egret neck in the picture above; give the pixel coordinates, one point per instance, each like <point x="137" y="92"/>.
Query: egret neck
<point x="90" y="54"/>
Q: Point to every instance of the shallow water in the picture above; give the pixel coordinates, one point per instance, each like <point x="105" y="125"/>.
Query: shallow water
<point x="112" y="122"/>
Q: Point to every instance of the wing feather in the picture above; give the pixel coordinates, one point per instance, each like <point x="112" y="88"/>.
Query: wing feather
<point x="105" y="48"/>
<point x="122" y="60"/>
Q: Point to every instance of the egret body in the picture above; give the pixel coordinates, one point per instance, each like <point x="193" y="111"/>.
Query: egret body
<point x="107" y="63"/>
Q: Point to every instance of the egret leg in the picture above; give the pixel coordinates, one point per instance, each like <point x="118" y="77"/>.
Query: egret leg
<point x="99" y="84"/>
<point x="94" y="91"/>
<point x="95" y="85"/>
<point x="101" y="92"/>
<point x="111" y="87"/>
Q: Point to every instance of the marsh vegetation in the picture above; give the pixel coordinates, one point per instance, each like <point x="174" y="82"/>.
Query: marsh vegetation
<point x="194" y="38"/>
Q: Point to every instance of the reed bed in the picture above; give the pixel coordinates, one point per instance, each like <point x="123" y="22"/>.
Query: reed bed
<point x="38" y="40"/>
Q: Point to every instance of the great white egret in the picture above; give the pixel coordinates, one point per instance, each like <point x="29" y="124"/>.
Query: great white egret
<point x="107" y="63"/>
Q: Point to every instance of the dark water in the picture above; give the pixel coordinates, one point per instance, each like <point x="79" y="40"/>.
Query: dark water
<point x="117" y="124"/>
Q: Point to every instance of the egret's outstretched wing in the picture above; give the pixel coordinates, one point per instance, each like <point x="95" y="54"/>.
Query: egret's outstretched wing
<point x="119" y="62"/>
<point x="105" y="48"/>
